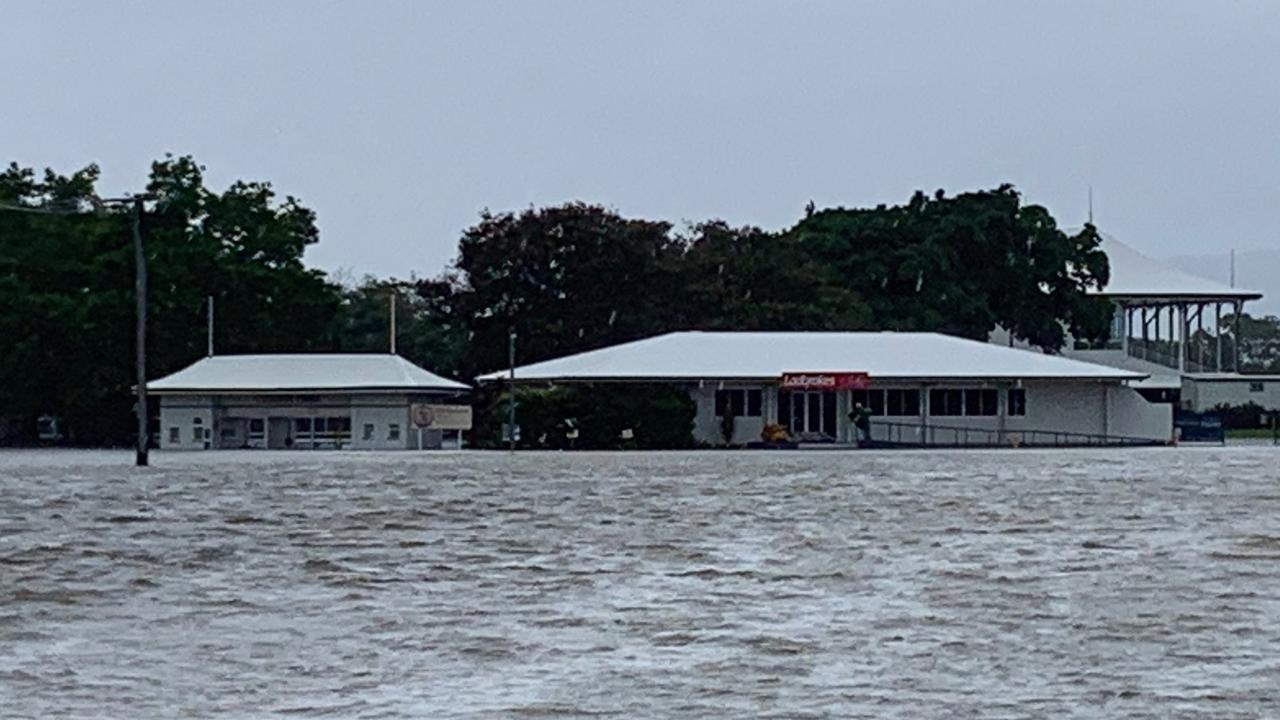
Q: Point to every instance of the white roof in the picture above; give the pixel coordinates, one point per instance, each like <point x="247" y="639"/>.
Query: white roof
<point x="766" y="355"/>
<point x="1136" y="275"/>
<point x="301" y="372"/>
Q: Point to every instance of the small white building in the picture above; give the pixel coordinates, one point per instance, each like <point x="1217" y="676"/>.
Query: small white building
<point x="921" y="388"/>
<point x="354" y="401"/>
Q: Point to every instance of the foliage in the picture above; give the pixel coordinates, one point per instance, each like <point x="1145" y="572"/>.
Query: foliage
<point x="426" y="332"/>
<point x="1246" y="416"/>
<point x="659" y="417"/>
<point x="1260" y="343"/>
<point x="964" y="265"/>
<point x="567" y="278"/>
<point x="66" y="282"/>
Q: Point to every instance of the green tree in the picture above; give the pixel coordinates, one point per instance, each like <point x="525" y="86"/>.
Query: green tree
<point x="749" y="279"/>
<point x="427" y="332"/>
<point x="964" y="265"/>
<point x="567" y="278"/>
<point x="66" y="281"/>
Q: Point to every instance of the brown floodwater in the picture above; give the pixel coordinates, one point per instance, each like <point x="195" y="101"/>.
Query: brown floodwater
<point x="1001" y="584"/>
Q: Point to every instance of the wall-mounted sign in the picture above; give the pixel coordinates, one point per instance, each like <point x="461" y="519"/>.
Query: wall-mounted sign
<point x="825" y="381"/>
<point x="441" y="417"/>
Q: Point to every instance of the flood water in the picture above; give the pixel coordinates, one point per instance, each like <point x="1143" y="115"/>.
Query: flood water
<point x="1014" y="584"/>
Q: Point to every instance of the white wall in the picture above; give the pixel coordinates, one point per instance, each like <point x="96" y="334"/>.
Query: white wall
<point x="1133" y="416"/>
<point x="1203" y="394"/>
<point x="215" y="413"/>
<point x="382" y="418"/>
<point x="1091" y="408"/>
<point x="181" y="414"/>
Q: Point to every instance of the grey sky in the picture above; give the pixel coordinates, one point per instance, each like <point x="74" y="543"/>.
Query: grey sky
<point x="398" y="121"/>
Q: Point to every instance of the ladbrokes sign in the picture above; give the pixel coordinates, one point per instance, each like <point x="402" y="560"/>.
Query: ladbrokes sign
<point x="825" y="381"/>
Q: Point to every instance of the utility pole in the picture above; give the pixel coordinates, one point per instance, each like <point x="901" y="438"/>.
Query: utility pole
<point x="209" y="349"/>
<point x="392" y="300"/>
<point x="140" y="305"/>
<point x="511" y="391"/>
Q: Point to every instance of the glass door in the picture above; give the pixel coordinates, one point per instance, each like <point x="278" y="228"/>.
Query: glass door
<point x="808" y="412"/>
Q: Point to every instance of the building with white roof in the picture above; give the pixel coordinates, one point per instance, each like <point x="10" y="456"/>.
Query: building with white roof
<point x="1169" y="325"/>
<point x="357" y="401"/>
<point x="921" y="388"/>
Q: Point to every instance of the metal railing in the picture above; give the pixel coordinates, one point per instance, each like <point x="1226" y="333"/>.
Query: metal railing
<point x="897" y="434"/>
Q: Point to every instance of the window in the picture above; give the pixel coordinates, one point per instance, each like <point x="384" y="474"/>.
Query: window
<point x="981" y="402"/>
<point x="946" y="402"/>
<point x="739" y="403"/>
<point x="1017" y="402"/>
<point x="197" y="432"/>
<point x="894" y="403"/>
<point x="175" y="436"/>
<point x="302" y="425"/>
<point x="256" y="425"/>
<point x="901" y="403"/>
<point x="1256" y="387"/>
<point x="393" y="431"/>
<point x="368" y="432"/>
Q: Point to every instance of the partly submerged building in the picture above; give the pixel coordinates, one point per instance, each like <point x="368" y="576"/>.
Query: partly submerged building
<point x="356" y="401"/>
<point x="921" y="388"/>
<point x="1178" y="329"/>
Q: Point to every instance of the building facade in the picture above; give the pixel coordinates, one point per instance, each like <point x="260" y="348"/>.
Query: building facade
<point x="357" y="402"/>
<point x="920" y="388"/>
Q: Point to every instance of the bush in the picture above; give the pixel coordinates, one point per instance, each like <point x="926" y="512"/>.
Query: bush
<point x="660" y="417"/>
<point x="1241" y="417"/>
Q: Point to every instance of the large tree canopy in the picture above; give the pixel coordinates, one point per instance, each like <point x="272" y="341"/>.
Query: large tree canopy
<point x="964" y="265"/>
<point x="66" y="283"/>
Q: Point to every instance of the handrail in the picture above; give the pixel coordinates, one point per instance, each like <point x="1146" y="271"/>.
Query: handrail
<point x="927" y="435"/>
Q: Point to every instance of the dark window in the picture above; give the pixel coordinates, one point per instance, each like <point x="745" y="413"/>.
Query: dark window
<point x="902" y="403"/>
<point x="859" y="397"/>
<point x="255" y="425"/>
<point x="946" y="402"/>
<point x="1017" y="402"/>
<point x="368" y="432"/>
<point x="988" y="402"/>
<point x="784" y="409"/>
<point x="739" y="403"/>
<point x="828" y="413"/>
<point x="393" y="431"/>
<point x="1256" y="387"/>
<point x="302" y="425"/>
<point x="877" y="402"/>
<point x="174" y="437"/>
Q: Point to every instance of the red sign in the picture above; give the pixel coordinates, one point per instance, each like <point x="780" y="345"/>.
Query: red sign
<point x="825" y="381"/>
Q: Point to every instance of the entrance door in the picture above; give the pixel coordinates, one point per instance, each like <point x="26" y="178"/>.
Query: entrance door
<point x="279" y="433"/>
<point x="808" y="412"/>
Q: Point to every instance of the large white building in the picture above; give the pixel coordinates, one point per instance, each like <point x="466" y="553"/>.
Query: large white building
<point x="1170" y="325"/>
<point x="922" y="388"/>
<point x="355" y="401"/>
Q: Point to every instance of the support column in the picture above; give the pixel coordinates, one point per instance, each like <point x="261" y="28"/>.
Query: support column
<point x="1125" y="320"/>
<point x="1217" y="331"/>
<point x="1235" y="366"/>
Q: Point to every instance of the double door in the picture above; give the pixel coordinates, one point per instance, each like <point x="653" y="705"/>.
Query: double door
<point x="808" y="413"/>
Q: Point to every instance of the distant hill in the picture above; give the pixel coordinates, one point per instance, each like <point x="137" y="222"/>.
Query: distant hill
<point x="1255" y="269"/>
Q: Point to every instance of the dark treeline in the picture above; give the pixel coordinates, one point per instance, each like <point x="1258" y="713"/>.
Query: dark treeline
<point x="566" y="278"/>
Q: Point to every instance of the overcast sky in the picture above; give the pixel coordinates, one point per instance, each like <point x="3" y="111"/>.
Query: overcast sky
<point x="399" y="121"/>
